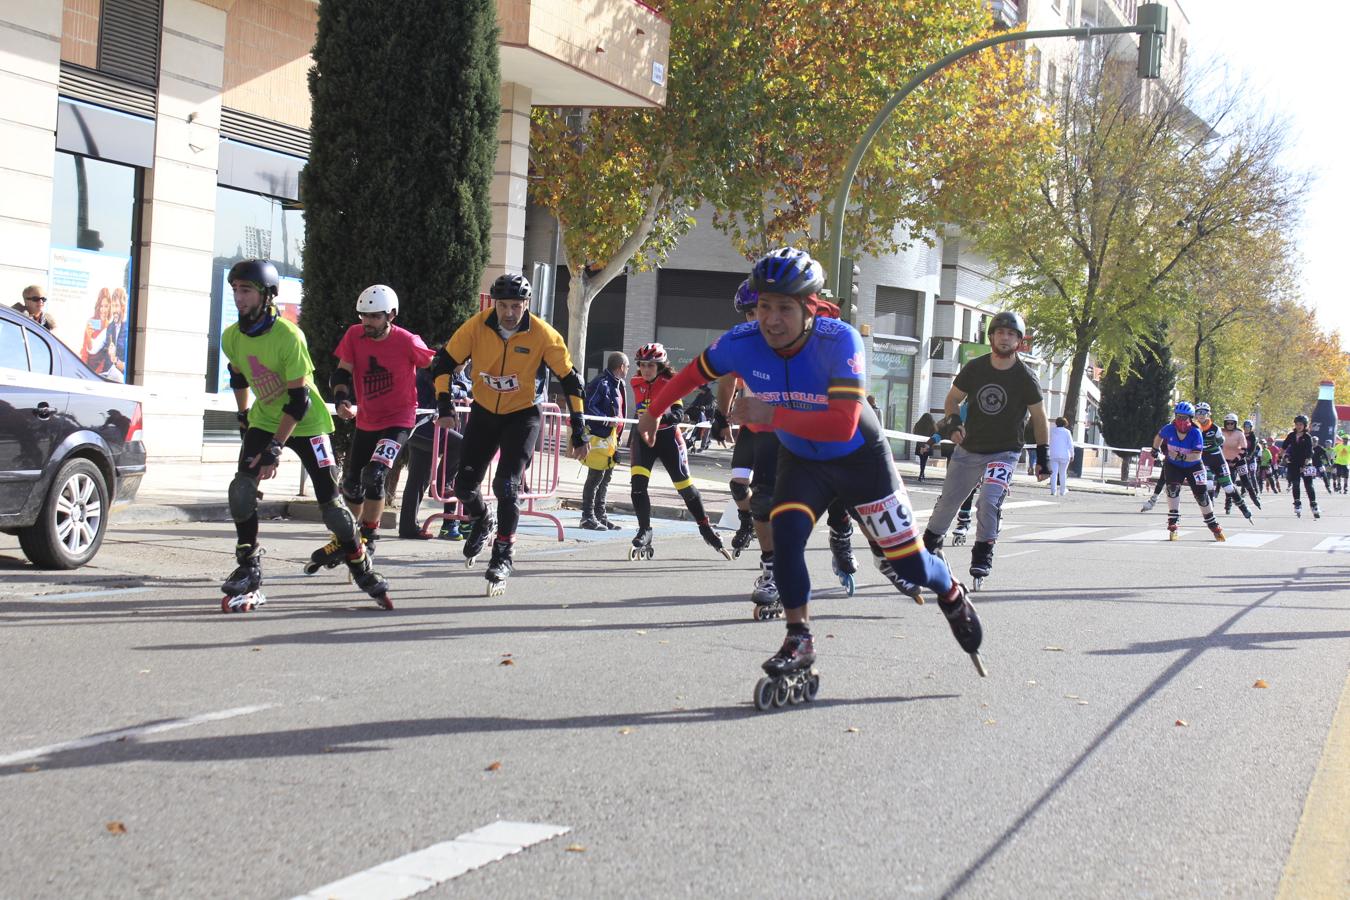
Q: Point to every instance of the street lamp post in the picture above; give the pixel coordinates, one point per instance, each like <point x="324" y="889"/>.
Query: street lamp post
<point x="1150" y="24"/>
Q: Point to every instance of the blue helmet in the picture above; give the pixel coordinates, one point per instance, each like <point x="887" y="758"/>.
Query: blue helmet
<point x="1184" y="408"/>
<point x="789" y="271"/>
<point x="747" y="298"/>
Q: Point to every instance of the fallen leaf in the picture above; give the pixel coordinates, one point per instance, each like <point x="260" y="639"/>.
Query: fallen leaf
<point x="508" y="662"/>
<point x="990" y="722"/>
<point x="575" y="848"/>
<point x="122" y="739"/>
<point x="254" y="649"/>
<point x="1260" y="683"/>
<point x="850" y="730"/>
<point x="663" y="642"/>
<point x="829" y="635"/>
<point x="1182" y="723"/>
<point x="625" y="731"/>
<point x="640" y="631"/>
<point x="494" y="766"/>
<point x="1070" y="696"/>
<point x="116" y="828"/>
<point x="1082" y="703"/>
<point x="1031" y="682"/>
<point x="1054" y="649"/>
<point x="326" y="750"/>
<point x="143" y="672"/>
<point x="30" y="768"/>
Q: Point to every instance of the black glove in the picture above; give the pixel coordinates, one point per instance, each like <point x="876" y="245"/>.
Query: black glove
<point x="243" y="423"/>
<point x="1042" y="459"/>
<point x="270" y="456"/>
<point x="719" y="425"/>
<point x="580" y="437"/>
<point x="445" y="405"/>
<point x="342" y="399"/>
<point x="948" y="425"/>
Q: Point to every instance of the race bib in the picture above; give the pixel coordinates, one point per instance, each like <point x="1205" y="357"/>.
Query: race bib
<point x="323" y="450"/>
<point x="1201" y="476"/>
<point x="998" y="473"/>
<point x="890" y="520"/>
<point x="385" y="452"/>
<point x="1310" y="471"/>
<point x="505" y="384"/>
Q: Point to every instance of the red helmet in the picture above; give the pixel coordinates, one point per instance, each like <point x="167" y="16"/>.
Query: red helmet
<point x="652" y="353"/>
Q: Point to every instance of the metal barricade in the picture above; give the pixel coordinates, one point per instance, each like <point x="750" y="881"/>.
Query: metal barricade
<point x="1143" y="469"/>
<point x="539" y="480"/>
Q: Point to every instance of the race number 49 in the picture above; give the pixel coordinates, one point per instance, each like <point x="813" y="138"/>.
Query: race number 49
<point x="386" y="451"/>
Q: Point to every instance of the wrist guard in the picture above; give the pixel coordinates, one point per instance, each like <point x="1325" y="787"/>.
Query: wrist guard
<point x="719" y="423"/>
<point x="1043" y="458"/>
<point x="270" y="456"/>
<point x="445" y="405"/>
<point x="579" y="434"/>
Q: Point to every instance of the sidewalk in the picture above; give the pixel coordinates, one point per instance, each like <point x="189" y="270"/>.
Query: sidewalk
<point x="196" y="492"/>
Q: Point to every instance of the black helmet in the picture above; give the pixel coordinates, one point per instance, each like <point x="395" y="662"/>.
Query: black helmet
<point x="1008" y="318"/>
<point x="260" y="272"/>
<point x="788" y="271"/>
<point x="510" y="287"/>
<point x="1300" y="419"/>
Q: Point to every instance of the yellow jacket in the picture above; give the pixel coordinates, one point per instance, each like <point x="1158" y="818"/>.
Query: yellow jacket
<point x="503" y="371"/>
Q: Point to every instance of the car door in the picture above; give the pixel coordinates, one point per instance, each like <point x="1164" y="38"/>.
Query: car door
<point x="30" y="408"/>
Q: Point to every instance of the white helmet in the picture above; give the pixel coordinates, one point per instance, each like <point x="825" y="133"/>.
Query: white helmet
<point x="378" y="298"/>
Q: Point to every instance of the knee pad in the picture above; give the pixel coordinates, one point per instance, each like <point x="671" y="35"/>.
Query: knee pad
<point x="506" y="487"/>
<point x="688" y="493"/>
<point x="740" y="492"/>
<point x="761" y="504"/>
<point x="639" y="485"/>
<point x="372" y="479"/>
<point x="466" y="483"/>
<point x="338" y="519"/>
<point x="352" y="491"/>
<point x="932" y="542"/>
<point x="1173" y="490"/>
<point x="243" y="497"/>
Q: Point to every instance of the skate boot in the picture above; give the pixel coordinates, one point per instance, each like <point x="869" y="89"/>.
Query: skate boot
<point x="369" y="535"/>
<point x="241" y="589"/>
<point x="1217" y="531"/>
<point x="1246" y="511"/>
<point x="1228" y="505"/>
<point x="1172" y="531"/>
<point x="642" y="546"/>
<point x="959" y="532"/>
<point x="981" y="563"/>
<point x="712" y="538"/>
<point x="842" y="561"/>
<point x="790" y="674"/>
<point x="500" y="567"/>
<point x="908" y="588"/>
<point x="745" y="533"/>
<point x="1149" y="503"/>
<point x="1298" y="510"/>
<point x="590" y="523"/>
<point x="329" y="556"/>
<point x="1317" y="513"/>
<point x="367" y="579"/>
<point x="765" y="593"/>
<point x="477" y="537"/>
<point x="965" y="623"/>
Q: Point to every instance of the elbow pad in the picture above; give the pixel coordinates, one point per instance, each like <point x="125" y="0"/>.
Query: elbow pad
<point x="237" y="380"/>
<point x="572" y="386"/>
<point x="340" y="378"/>
<point x="297" y="404"/>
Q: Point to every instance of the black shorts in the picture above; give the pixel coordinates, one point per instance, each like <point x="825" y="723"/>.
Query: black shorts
<point x="864" y="478"/>
<point x="743" y="451"/>
<point x="512" y="435"/>
<point x="670" y="449"/>
<point x="316" y="455"/>
<point x="1174" y="474"/>
<point x="371" y="446"/>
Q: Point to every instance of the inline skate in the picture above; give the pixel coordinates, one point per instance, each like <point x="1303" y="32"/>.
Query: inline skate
<point x="241" y="589"/>
<point x="965" y="624"/>
<point x="790" y="674"/>
<point x="642" y="546"/>
<point x="841" y="558"/>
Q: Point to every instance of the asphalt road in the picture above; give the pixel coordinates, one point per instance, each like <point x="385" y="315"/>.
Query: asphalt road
<point x="153" y="747"/>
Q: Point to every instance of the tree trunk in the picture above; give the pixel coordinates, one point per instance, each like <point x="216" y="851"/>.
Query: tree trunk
<point x="579" y="297"/>
<point x="1076" y="370"/>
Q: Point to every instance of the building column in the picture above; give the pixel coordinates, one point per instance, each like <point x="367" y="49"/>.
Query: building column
<point x="178" y="230"/>
<point x="30" y="69"/>
<point x="639" y="316"/>
<point x="509" y="185"/>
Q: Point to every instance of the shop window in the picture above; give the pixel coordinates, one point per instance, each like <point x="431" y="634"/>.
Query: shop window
<point x="94" y="233"/>
<point x="897" y="311"/>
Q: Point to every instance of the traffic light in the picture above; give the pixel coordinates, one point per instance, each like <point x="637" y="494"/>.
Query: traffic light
<point x="1151" y="43"/>
<point x="849" y="290"/>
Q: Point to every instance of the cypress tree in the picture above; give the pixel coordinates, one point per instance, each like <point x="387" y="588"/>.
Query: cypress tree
<point x="1137" y="394"/>
<point x="405" y="106"/>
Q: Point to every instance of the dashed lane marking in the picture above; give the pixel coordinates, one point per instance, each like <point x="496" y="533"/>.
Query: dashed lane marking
<point x="1059" y="534"/>
<point x="424" y="869"/>
<point x="1337" y="544"/>
<point x="1247" y="539"/>
<point x="109" y="737"/>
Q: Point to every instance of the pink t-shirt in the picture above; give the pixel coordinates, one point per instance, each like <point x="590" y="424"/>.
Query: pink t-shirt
<point x="384" y="374"/>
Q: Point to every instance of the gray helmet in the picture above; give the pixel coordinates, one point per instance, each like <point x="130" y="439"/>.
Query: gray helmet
<point x="1008" y="318"/>
<point x="1202" y="409"/>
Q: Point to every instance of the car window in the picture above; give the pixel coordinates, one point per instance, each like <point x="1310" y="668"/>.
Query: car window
<point x="12" y="352"/>
<point x="39" y="353"/>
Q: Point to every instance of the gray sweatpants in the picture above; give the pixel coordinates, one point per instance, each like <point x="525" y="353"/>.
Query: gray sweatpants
<point x="993" y="472"/>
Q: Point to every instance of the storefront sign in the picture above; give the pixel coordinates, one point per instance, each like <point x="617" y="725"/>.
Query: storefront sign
<point x="88" y="299"/>
<point x="969" y="351"/>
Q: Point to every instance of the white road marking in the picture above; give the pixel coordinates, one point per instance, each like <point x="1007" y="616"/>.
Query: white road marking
<point x="139" y="731"/>
<point x="424" y="869"/>
<point x="1250" y="539"/>
<point x="1338" y="544"/>
<point x="1059" y="534"/>
<point x="1154" y="536"/>
<point x="1018" y="553"/>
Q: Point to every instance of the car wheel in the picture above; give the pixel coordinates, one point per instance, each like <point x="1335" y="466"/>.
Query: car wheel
<point x="73" y="519"/>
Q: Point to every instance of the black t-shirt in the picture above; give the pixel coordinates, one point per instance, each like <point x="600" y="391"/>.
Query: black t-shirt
<point x="996" y="404"/>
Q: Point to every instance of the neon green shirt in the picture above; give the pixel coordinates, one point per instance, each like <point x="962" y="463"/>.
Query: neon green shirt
<point x="1341" y="455"/>
<point x="269" y="361"/>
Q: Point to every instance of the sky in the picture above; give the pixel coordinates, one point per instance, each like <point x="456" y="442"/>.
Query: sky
<point x="1292" y="56"/>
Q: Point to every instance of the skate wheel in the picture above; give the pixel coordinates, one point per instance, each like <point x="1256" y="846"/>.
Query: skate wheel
<point x="648" y="553"/>
<point x="764" y="691"/>
<point x="496" y="588"/>
<point x="979" y="665"/>
<point x="726" y="554"/>
<point x="847" y="582"/>
<point x="811" y="687"/>
<point x="781" y="693"/>
<point x="976" y="583"/>
<point x="632" y="554"/>
<point x="312" y="568"/>
<point x="736" y="553"/>
<point x="383" y="602"/>
<point x="469" y="561"/>
<point x="225" y="604"/>
<point x="798" y="693"/>
<point x="918" y="597"/>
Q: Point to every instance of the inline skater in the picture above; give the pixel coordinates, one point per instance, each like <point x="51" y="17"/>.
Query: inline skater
<point x="1234" y="444"/>
<point x="1297" y="454"/>
<point x="1183" y="463"/>
<point x="377" y="367"/>
<point x="1252" y="456"/>
<point x="1219" y="478"/>
<point x="1265" y="466"/>
<point x="604" y="405"/>
<point x="1277" y="467"/>
<point x="507" y="350"/>
<point x="1340" y="457"/>
<point x="1321" y="460"/>
<point x="1003" y="394"/>
<point x="267" y="356"/>
<point x="807" y="376"/>
<point x="654" y="373"/>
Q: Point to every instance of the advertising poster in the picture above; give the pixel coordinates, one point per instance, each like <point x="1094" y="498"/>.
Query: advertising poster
<point x="288" y="304"/>
<point x="88" y="298"/>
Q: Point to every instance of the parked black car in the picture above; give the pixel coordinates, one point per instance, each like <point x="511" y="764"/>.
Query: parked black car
<point x="70" y="447"/>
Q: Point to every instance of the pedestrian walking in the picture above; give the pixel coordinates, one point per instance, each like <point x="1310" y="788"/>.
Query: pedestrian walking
<point x="1061" y="451"/>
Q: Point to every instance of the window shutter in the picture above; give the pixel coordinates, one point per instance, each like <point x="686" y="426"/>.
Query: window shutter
<point x="128" y="46"/>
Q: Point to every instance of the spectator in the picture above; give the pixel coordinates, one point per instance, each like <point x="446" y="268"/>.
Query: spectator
<point x="34" y="306"/>
<point x="1061" y="451"/>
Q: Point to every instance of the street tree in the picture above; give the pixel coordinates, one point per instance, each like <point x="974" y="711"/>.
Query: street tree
<point x="765" y="102"/>
<point x="405" y="105"/>
<point x="1137" y="392"/>
<point x="1288" y="355"/>
<point x="1142" y="178"/>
